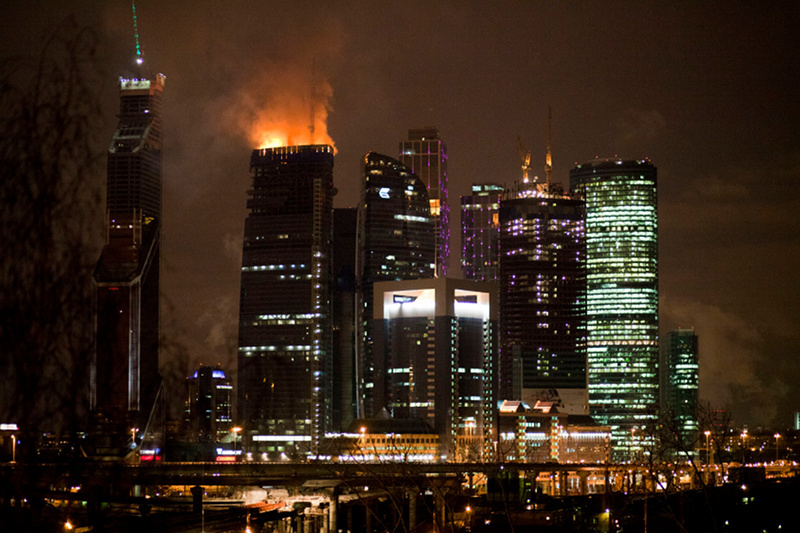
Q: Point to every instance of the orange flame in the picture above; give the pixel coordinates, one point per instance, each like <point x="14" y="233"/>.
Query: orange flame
<point x="288" y="127"/>
<point x="277" y="111"/>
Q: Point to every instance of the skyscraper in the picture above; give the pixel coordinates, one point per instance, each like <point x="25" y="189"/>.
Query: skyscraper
<point x="345" y="225"/>
<point x="426" y="155"/>
<point x="395" y="242"/>
<point x="285" y="305"/>
<point x="434" y="346"/>
<point x="209" y="407"/>
<point x="124" y="377"/>
<point x="622" y="294"/>
<point x="480" y="226"/>
<point x="543" y="298"/>
<point x="679" y="382"/>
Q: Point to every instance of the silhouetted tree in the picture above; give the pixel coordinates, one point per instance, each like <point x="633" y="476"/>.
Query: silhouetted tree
<point x="49" y="212"/>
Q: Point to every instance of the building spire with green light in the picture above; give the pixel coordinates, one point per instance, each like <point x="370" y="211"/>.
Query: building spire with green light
<point x="139" y="57"/>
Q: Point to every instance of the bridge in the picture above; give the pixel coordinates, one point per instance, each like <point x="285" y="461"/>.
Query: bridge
<point x="332" y="483"/>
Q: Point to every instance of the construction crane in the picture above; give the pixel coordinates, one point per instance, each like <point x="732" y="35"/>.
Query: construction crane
<point x="525" y="157"/>
<point x="548" y="164"/>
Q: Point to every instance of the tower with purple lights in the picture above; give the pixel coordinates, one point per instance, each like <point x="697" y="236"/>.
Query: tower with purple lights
<point x="425" y="153"/>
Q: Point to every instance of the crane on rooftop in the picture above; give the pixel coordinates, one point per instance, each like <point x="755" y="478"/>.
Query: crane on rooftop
<point x="548" y="164"/>
<point x="525" y="157"/>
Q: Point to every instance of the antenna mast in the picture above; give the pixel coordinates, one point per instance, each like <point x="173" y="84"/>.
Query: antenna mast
<point x="139" y="58"/>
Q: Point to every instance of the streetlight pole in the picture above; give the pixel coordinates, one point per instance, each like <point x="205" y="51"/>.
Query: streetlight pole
<point x="235" y="431"/>
<point x="777" y="437"/>
<point x="13" y="448"/>
<point x="708" y="448"/>
<point x="744" y="447"/>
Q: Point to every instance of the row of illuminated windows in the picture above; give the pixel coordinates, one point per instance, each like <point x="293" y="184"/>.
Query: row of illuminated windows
<point x="630" y="272"/>
<point x="619" y="338"/>
<point x="611" y="274"/>
<point x="639" y="370"/>
<point x="605" y="326"/>
<point x="596" y="242"/>
<point x="631" y="294"/>
<point x="257" y="268"/>
<point x="629" y="216"/>
<point x="615" y="306"/>
<point x="621" y="296"/>
<point x="603" y="225"/>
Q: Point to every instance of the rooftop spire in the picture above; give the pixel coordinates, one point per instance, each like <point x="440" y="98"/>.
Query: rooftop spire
<point x="139" y="58"/>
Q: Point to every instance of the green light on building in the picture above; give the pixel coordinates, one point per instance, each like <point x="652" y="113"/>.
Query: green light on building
<point x="622" y="297"/>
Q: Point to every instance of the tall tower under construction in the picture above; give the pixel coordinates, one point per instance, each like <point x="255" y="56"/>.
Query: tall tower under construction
<point x="285" y="338"/>
<point x="542" y="282"/>
<point x="124" y="377"/>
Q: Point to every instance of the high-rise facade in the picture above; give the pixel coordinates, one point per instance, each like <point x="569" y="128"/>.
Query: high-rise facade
<point x="395" y="242"/>
<point x="435" y="346"/>
<point x="542" y="279"/>
<point x="622" y="295"/>
<point x="680" y="381"/>
<point x="285" y="304"/>
<point x="124" y="376"/>
<point x="480" y="226"/>
<point x="426" y="155"/>
<point x="209" y="407"/>
<point x="343" y="404"/>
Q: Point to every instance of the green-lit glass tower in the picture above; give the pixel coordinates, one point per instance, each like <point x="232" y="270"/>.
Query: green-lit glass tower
<point x="679" y="385"/>
<point x="622" y="296"/>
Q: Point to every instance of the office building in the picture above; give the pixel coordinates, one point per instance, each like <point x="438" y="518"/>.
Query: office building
<point x="395" y="242"/>
<point x="622" y="295"/>
<point x="383" y="439"/>
<point x="543" y="434"/>
<point x="285" y="305"/>
<point x="343" y="404"/>
<point x="542" y="279"/>
<point x="209" y="407"/>
<point x="426" y="155"/>
<point x="124" y="378"/>
<point x="434" y="359"/>
<point x="679" y="385"/>
<point x="480" y="226"/>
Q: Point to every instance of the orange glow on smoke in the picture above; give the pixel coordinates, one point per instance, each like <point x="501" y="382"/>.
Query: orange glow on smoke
<point x="283" y="117"/>
<point x="270" y="131"/>
<point x="275" y="107"/>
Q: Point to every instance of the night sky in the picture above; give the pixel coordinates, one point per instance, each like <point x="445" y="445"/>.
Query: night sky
<point x="706" y="90"/>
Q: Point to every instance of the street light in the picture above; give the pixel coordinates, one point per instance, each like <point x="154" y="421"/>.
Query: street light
<point x="363" y="444"/>
<point x="744" y="446"/>
<point x="235" y="431"/>
<point x="777" y="437"/>
<point x="13" y="449"/>
<point x="708" y="448"/>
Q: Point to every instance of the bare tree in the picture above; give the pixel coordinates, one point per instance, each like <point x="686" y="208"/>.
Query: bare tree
<point x="49" y="211"/>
